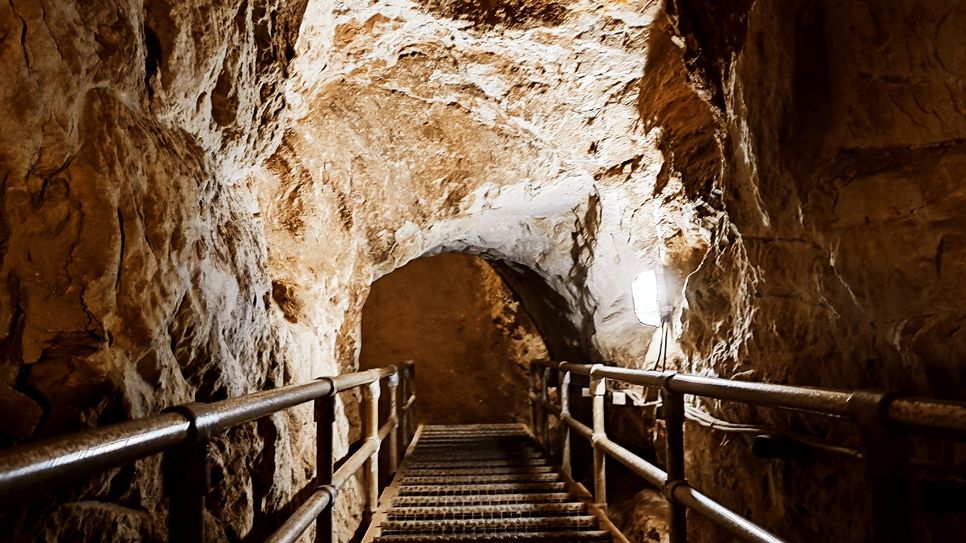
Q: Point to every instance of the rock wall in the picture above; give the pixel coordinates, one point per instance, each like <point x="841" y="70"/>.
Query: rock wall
<point x="837" y="196"/>
<point x="134" y="267"/>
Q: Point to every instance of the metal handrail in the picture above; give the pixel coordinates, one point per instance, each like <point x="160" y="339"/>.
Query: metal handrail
<point x="882" y="417"/>
<point x="183" y="432"/>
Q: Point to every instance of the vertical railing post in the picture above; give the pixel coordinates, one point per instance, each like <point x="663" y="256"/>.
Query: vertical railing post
<point x="187" y="479"/>
<point x="598" y="388"/>
<point x="411" y="412"/>
<point x="324" y="433"/>
<point x="534" y="393"/>
<point x="405" y="392"/>
<point x="565" y="428"/>
<point x="544" y="390"/>
<point x="887" y="468"/>
<point x="673" y="409"/>
<point x="370" y="398"/>
<point x="393" y="384"/>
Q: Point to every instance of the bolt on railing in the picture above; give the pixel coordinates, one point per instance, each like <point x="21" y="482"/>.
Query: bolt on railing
<point x="183" y="435"/>
<point x="883" y="417"/>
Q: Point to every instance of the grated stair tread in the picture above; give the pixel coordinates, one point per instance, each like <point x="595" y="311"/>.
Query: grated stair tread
<point x="502" y="510"/>
<point x="483" y="483"/>
<point x="492" y="463"/>
<point x="481" y="499"/>
<point x="490" y="525"/>
<point x="495" y="488"/>
<point x="480" y="479"/>
<point x="508" y="470"/>
<point x="534" y="537"/>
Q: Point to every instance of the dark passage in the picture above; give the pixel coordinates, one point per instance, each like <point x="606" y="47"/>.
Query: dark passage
<point x="470" y="335"/>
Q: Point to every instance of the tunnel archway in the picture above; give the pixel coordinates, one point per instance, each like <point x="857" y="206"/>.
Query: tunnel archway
<point x="470" y="334"/>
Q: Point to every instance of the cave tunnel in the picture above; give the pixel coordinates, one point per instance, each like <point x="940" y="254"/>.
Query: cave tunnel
<point x="475" y="340"/>
<point x="472" y="337"/>
<point x="730" y="234"/>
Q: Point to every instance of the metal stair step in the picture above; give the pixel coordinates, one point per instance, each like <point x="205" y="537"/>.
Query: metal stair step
<point x="420" y="455"/>
<point x="509" y="470"/>
<point x="505" y="488"/>
<point x="502" y="510"/>
<point x="480" y="479"/>
<point x="476" y="449"/>
<point x="458" y="463"/>
<point x="489" y="441"/>
<point x="493" y="525"/>
<point x="474" y="435"/>
<point x="481" y="499"/>
<point x="533" y="537"/>
<point x="460" y="429"/>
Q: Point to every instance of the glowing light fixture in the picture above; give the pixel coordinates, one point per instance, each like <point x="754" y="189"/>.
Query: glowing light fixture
<point x="646" y="292"/>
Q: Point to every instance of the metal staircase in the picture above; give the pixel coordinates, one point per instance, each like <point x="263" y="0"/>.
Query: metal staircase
<point x="483" y="483"/>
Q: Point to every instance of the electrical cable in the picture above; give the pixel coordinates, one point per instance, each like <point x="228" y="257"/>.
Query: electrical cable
<point x="714" y="423"/>
<point x="662" y="346"/>
<point x="709" y="421"/>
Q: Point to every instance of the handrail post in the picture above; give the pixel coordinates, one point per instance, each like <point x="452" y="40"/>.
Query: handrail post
<point x="534" y="393"/>
<point x="324" y="433"/>
<point x="886" y="465"/>
<point x="673" y="408"/>
<point x="405" y="394"/>
<point x="598" y="387"/>
<point x="564" y="412"/>
<point x="544" y="390"/>
<point x="393" y="384"/>
<point x="370" y="398"/>
<point x="187" y="479"/>
<point x="410" y="413"/>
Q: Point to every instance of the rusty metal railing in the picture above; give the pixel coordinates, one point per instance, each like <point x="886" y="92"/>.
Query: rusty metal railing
<point x="884" y="418"/>
<point x="183" y="435"/>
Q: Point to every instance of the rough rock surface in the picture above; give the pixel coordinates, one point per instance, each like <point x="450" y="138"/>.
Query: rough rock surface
<point x="197" y="195"/>
<point x="134" y="269"/>
<point x="840" y="130"/>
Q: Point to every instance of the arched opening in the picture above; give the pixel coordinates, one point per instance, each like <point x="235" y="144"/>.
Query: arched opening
<point x="469" y="333"/>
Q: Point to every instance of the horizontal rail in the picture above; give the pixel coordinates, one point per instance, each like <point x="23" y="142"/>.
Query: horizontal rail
<point x="580" y="369"/>
<point x="679" y="491"/>
<point x="879" y="414"/>
<point x="324" y="496"/>
<point x="722" y="516"/>
<point x="830" y="402"/>
<point x="928" y="416"/>
<point x="304" y="516"/>
<point x="225" y="414"/>
<point x="347" y="381"/>
<point x="46" y="463"/>
<point x="41" y="465"/>
<point x="354" y="463"/>
<point x="585" y="431"/>
<point x="547" y="405"/>
<point x="389" y="426"/>
<point x="906" y="413"/>
<point x="651" y="473"/>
